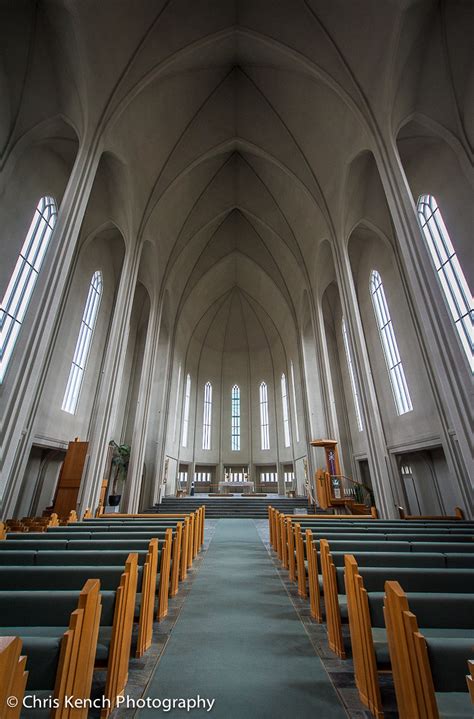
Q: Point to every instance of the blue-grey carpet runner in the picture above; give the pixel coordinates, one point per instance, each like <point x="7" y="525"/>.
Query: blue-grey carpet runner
<point x="239" y="641"/>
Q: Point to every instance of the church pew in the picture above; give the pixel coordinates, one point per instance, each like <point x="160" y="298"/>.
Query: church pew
<point x="444" y="600"/>
<point x="458" y="515"/>
<point x="20" y="611"/>
<point x="99" y="547"/>
<point x="428" y="673"/>
<point x="302" y="546"/>
<point x="287" y="525"/>
<point x="350" y="543"/>
<point x="190" y="540"/>
<point x="298" y="553"/>
<point x="180" y="553"/>
<point x="65" y="540"/>
<point x="381" y="562"/>
<point x="372" y="554"/>
<point x="61" y="660"/>
<point x="13" y="675"/>
<point x="196" y="519"/>
<point x="72" y="576"/>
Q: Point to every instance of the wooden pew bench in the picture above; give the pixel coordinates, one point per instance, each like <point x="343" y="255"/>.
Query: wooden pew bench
<point x="182" y="551"/>
<point x="429" y="664"/>
<point x="421" y="542"/>
<point x="60" y="654"/>
<point x="327" y="556"/>
<point x="13" y="675"/>
<point x="334" y="588"/>
<point x="430" y="592"/>
<point x="65" y="540"/>
<point x="98" y="548"/>
<point x="66" y="571"/>
<point x="42" y="614"/>
<point x="291" y="534"/>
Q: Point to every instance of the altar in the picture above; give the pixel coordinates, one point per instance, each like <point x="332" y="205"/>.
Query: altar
<point x="226" y="486"/>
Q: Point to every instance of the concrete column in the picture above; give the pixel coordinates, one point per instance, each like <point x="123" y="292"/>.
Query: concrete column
<point x="108" y="394"/>
<point x="20" y="398"/>
<point x="380" y="468"/>
<point x="445" y="363"/>
<point x="140" y="429"/>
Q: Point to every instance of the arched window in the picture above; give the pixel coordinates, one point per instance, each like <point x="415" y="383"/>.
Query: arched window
<point x="187" y="401"/>
<point x="264" y="423"/>
<point x="286" y="418"/>
<point x="81" y="353"/>
<point x="350" y="367"/>
<point x="235" y="416"/>
<point x="207" y="416"/>
<point x="389" y="344"/>
<point x="22" y="282"/>
<point x="295" y="409"/>
<point x="449" y="271"/>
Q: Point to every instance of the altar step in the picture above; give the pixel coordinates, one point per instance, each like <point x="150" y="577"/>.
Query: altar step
<point x="224" y="507"/>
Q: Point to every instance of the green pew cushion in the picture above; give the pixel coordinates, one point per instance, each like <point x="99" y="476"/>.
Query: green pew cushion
<point x="465" y="547"/>
<point x="454" y="705"/>
<point x="460" y="560"/>
<point x="86" y="557"/>
<point x="38" y="713"/>
<point x="392" y="559"/>
<point x="19" y="557"/>
<point x="443" y="611"/>
<point x="14" y="545"/>
<point x="42" y="652"/>
<point x="448" y="661"/>
<point x="57" y="577"/>
<point x="103" y="644"/>
<point x="419" y="579"/>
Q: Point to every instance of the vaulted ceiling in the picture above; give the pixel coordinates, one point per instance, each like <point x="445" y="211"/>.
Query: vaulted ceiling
<point x="234" y="123"/>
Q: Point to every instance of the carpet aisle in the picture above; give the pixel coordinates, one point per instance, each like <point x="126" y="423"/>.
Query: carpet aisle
<point x="239" y="640"/>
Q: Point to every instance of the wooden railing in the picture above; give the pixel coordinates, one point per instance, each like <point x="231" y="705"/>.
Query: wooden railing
<point x="339" y="491"/>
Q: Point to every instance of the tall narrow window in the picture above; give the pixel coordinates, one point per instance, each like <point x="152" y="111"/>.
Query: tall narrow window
<point x="83" y="344"/>
<point x="235" y="438"/>
<point x="22" y="282"/>
<point x="295" y="409"/>
<point x="449" y="271"/>
<point x="389" y="343"/>
<point x="350" y="367"/>
<point x="284" y="402"/>
<point x="187" y="401"/>
<point x="207" y="416"/>
<point x="264" y="423"/>
<point x="178" y="387"/>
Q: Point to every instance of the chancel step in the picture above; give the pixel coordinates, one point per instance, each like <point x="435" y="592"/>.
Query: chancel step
<point x="220" y="507"/>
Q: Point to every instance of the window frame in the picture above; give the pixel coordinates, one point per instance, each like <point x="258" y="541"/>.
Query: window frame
<point x="82" y="349"/>
<point x="235" y="419"/>
<point x="286" y="410"/>
<point x="449" y="273"/>
<point x="264" y="417"/>
<point x="393" y="361"/>
<point x="207" y="417"/>
<point x="186" y="409"/>
<point x="22" y="282"/>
